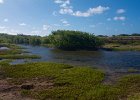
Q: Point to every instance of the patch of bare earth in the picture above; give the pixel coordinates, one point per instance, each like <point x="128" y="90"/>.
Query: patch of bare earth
<point x="11" y="91"/>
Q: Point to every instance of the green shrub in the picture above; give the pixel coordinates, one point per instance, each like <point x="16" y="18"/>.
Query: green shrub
<point x="74" y="40"/>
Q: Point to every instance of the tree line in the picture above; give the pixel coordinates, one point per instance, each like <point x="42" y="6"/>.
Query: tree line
<point x="66" y="39"/>
<point x="22" y="39"/>
<point x="62" y="39"/>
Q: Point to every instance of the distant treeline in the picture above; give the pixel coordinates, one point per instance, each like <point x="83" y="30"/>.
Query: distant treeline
<point x="22" y="39"/>
<point x="123" y="39"/>
<point x="65" y="39"/>
<point x="134" y="34"/>
<point x="62" y="39"/>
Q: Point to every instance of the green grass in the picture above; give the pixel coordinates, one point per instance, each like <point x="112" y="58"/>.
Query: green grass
<point x="133" y="70"/>
<point x="71" y="82"/>
<point x="129" y="85"/>
<point x="16" y="52"/>
<point x="121" y="47"/>
<point x="134" y="97"/>
<point x="19" y="56"/>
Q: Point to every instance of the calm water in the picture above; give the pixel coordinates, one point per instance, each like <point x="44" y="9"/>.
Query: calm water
<point x="108" y="60"/>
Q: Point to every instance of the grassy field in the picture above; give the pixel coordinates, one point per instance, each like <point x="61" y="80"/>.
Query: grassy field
<point x="16" y="52"/>
<point x="121" y="47"/>
<point x="59" y="81"/>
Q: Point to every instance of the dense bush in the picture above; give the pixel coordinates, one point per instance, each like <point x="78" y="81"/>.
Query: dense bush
<point x="74" y="40"/>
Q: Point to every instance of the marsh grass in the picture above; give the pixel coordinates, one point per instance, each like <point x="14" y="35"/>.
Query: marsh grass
<point x="121" y="47"/>
<point x="134" y="97"/>
<point x="71" y="82"/>
<point x="133" y="70"/>
<point x="16" y="52"/>
<point x="19" y="57"/>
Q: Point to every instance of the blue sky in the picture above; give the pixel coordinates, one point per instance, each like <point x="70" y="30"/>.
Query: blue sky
<point x="40" y="17"/>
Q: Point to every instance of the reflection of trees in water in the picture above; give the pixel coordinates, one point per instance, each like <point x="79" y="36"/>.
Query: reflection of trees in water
<point x="105" y="59"/>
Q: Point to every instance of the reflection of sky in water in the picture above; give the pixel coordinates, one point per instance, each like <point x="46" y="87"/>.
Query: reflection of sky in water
<point x="102" y="59"/>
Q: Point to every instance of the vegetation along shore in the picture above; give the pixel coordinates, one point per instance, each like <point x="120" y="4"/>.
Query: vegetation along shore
<point x="44" y="80"/>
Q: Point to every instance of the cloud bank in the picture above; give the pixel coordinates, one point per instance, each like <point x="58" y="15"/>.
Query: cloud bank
<point x="66" y="8"/>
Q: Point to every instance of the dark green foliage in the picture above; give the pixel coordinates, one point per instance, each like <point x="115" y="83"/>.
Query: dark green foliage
<point x="71" y="40"/>
<point x="74" y="40"/>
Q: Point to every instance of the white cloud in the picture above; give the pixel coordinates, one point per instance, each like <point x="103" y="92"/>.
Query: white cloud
<point x="121" y="18"/>
<point x="91" y="11"/>
<point x="1" y="1"/>
<point x="62" y="1"/>
<point x="65" y="22"/>
<point x="5" y="20"/>
<point x="120" y="11"/>
<point x="66" y="8"/>
<point x="22" y="24"/>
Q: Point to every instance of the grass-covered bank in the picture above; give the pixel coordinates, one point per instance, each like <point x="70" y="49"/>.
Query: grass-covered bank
<point x="121" y="47"/>
<point x="15" y="52"/>
<point x="59" y="81"/>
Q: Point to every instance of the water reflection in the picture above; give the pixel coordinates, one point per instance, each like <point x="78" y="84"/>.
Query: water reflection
<point x="102" y="59"/>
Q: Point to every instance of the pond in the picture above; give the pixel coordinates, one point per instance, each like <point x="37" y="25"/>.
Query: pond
<point x="108" y="60"/>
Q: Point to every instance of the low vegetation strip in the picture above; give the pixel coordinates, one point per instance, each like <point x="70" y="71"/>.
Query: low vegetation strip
<point x="121" y="47"/>
<point x="69" y="82"/>
<point x="19" y="57"/>
<point x="76" y="40"/>
<point x="15" y="52"/>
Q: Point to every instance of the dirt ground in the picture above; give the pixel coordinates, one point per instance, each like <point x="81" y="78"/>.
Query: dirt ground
<point x="10" y="91"/>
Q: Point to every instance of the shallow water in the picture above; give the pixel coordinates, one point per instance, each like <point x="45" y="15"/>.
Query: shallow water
<point x="109" y="60"/>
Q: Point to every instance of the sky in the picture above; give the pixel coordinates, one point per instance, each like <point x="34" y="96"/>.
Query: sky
<point x="40" y="17"/>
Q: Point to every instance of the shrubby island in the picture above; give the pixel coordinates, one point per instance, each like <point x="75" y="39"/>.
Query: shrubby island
<point x="74" y="40"/>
